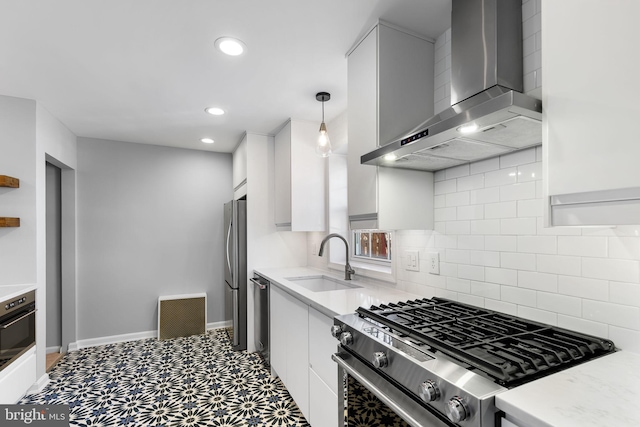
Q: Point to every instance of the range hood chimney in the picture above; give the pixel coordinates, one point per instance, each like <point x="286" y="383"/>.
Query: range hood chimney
<point x="486" y="94"/>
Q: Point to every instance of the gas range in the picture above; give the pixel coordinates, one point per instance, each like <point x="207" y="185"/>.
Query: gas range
<point x="451" y="358"/>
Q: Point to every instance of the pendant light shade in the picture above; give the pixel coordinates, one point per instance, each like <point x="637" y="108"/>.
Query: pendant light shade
<point x="323" y="147"/>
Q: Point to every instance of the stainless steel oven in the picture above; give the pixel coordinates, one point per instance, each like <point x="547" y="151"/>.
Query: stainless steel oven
<point x="17" y="327"/>
<point x="436" y="362"/>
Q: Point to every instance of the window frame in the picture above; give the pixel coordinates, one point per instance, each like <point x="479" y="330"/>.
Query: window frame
<point x="388" y="262"/>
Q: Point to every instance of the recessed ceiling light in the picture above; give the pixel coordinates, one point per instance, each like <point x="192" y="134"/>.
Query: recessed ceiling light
<point x="207" y="140"/>
<point x="230" y="46"/>
<point x="214" y="111"/>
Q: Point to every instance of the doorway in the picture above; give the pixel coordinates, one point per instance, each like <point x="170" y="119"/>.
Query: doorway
<point x="54" y="263"/>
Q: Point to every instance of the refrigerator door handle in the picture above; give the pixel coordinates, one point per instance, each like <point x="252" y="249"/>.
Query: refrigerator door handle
<point x="228" y="254"/>
<point x="236" y="326"/>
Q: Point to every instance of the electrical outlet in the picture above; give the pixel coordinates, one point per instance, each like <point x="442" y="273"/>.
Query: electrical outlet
<point x="413" y="261"/>
<point x="434" y="262"/>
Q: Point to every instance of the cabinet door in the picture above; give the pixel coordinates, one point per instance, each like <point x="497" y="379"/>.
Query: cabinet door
<point x="278" y="332"/>
<point x="297" y="314"/>
<point x="324" y="403"/>
<point x="321" y="347"/>
<point x="240" y="170"/>
<point x="362" y="98"/>
<point x="282" y="177"/>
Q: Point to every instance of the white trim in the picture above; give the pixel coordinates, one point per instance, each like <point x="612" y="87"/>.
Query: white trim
<point x="54" y="349"/>
<point x="114" y="339"/>
<point x="39" y="385"/>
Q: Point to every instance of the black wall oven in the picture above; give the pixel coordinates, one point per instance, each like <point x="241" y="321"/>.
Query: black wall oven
<point x="17" y="327"/>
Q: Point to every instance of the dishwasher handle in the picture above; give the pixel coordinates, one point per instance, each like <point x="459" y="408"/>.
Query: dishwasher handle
<point x="262" y="286"/>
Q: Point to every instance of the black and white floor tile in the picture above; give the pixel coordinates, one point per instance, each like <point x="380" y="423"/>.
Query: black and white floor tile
<point x="193" y="381"/>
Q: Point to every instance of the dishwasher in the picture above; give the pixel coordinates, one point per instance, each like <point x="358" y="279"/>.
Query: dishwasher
<point x="261" y="316"/>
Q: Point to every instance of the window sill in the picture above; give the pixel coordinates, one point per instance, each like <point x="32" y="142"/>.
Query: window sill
<point x="372" y="271"/>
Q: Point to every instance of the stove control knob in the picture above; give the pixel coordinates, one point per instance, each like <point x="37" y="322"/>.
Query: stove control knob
<point x="456" y="409"/>
<point x="346" y="338"/>
<point x="429" y="391"/>
<point x="380" y="360"/>
<point x="336" y="330"/>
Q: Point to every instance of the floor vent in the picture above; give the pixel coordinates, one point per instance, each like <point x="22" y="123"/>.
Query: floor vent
<point x="182" y="315"/>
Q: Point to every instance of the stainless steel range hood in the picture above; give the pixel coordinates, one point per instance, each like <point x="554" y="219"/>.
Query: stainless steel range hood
<point x="486" y="86"/>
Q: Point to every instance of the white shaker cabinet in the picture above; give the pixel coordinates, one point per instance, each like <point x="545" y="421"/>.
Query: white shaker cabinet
<point x="239" y="176"/>
<point x="590" y="107"/>
<point x="390" y="91"/>
<point x="299" y="178"/>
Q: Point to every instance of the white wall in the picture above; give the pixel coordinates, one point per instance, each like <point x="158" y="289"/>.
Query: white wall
<point x="150" y="223"/>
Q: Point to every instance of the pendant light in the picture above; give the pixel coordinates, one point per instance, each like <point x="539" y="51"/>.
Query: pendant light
<point x="323" y="148"/>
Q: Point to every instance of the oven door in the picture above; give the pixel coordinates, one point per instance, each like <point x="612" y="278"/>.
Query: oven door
<point x="17" y="334"/>
<point x="392" y="407"/>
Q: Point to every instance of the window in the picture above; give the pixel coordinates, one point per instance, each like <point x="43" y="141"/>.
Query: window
<point x="372" y="245"/>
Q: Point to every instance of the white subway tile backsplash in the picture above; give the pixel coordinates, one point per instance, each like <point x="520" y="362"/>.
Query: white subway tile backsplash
<point x="457" y="256"/>
<point x="557" y="264"/>
<point x="556" y="231"/>
<point x="445" y="293"/>
<point x="582" y="246"/>
<point x="501" y="306"/>
<point x="458" y="227"/>
<point x="583" y="287"/>
<point x="436" y="281"/>
<point x="483" y="166"/>
<point x="518" y="296"/>
<point x="614" y="314"/>
<point x="445" y="214"/>
<point x="501" y="276"/>
<point x="529" y="82"/>
<point x="442" y="105"/>
<point x="471" y="272"/>
<point x="539" y="153"/>
<point x="471" y="242"/>
<point x="530" y="172"/>
<point x="532" y="62"/>
<point x="458" y="285"/>
<point x="471" y="299"/>
<point x="624" y="247"/>
<point x="440" y="227"/>
<point x="448" y="269"/>
<point x="557" y="303"/>
<point x="624" y="293"/>
<point x="538" y="281"/>
<point x="440" y="201"/>
<point x="528" y="47"/>
<point x="518" y="158"/>
<point x="439" y="176"/>
<point x="443" y="241"/>
<point x="484" y="289"/>
<point x="485" y="258"/>
<point x="500" y="210"/>
<point x="485" y="226"/>
<point x="611" y="269"/>
<point x="471" y="212"/>
<point x="578" y="324"/>
<point x="461" y="198"/>
<point x="471" y="182"/>
<point x="520" y="191"/>
<point x="623" y="338"/>
<point x="501" y="177"/>
<point x="445" y="187"/>
<point x="485" y="195"/>
<point x="518" y="261"/>
<point x="528" y="10"/>
<point x="538" y="315"/>
<point x="537" y="244"/>
<point x="530" y="208"/>
<point x="518" y="226"/>
<point x="500" y="243"/>
<point x="457" y="171"/>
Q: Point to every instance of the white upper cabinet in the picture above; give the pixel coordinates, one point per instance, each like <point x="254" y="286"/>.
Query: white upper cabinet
<point x="390" y="91"/>
<point x="590" y="101"/>
<point x="299" y="178"/>
<point x="240" y="170"/>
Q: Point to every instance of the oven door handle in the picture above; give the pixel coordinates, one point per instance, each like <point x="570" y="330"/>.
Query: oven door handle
<point x="5" y="326"/>
<point x="407" y="409"/>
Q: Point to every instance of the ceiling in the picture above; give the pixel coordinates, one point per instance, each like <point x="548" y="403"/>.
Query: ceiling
<point x="144" y="71"/>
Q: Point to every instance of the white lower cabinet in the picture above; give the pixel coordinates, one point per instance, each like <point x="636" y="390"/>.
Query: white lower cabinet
<point x="301" y="349"/>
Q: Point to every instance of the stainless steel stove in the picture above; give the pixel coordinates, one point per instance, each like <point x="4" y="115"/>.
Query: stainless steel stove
<point x="438" y="362"/>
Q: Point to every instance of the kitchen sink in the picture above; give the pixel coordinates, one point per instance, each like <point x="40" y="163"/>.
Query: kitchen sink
<point x="321" y="283"/>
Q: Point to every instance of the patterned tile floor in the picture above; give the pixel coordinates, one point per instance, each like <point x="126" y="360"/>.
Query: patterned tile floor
<point x="194" y="381"/>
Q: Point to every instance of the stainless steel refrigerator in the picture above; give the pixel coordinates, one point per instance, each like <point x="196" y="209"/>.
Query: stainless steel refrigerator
<point x="235" y="272"/>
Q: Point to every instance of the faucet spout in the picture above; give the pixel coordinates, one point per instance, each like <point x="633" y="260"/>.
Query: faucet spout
<point x="348" y="271"/>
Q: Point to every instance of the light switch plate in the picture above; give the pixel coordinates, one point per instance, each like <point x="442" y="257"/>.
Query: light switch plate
<point x="434" y="263"/>
<point x="412" y="260"/>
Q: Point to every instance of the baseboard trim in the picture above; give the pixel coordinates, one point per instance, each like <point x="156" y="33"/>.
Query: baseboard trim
<point x="39" y="385"/>
<point x="114" y="339"/>
<point x="54" y="349"/>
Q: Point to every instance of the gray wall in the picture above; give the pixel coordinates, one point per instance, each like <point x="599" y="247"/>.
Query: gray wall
<point x="150" y="223"/>
<point x="54" y="257"/>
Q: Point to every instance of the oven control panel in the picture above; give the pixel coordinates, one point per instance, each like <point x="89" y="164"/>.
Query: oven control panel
<point x="12" y="304"/>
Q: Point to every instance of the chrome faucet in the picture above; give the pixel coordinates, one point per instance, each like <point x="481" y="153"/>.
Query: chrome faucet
<point x="348" y="271"/>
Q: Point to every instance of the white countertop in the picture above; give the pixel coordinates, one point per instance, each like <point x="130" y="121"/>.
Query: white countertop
<point x="602" y="392"/>
<point x="333" y="303"/>
<point x="8" y="292"/>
